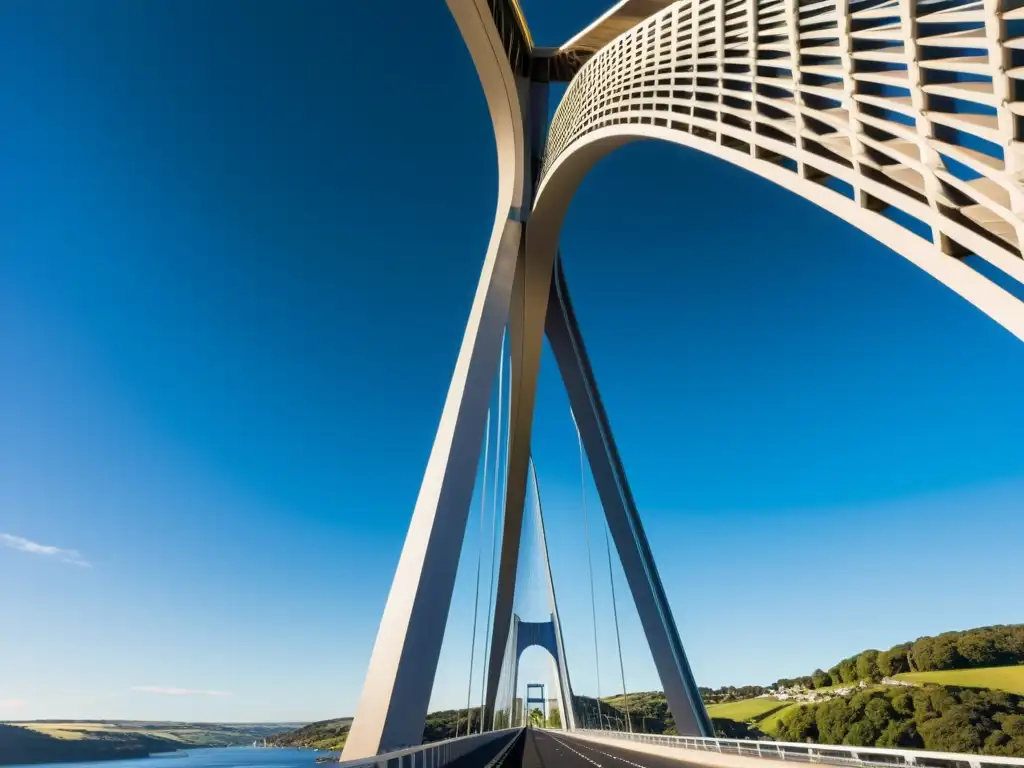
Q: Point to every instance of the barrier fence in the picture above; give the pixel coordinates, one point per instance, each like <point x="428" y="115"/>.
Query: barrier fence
<point x="828" y="754"/>
<point x="438" y="754"/>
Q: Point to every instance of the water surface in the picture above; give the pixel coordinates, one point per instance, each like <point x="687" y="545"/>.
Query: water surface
<point x="215" y="757"/>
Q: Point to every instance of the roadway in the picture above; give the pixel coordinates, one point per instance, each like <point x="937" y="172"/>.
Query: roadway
<point x="552" y="749"/>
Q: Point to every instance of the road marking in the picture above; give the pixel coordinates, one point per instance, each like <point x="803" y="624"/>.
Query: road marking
<point x="580" y="754"/>
<point x="498" y="761"/>
<point x="613" y="757"/>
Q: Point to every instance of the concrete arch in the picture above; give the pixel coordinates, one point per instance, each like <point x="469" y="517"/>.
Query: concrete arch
<point x="504" y="97"/>
<point x="559" y="184"/>
<point x="787" y="89"/>
<point x="565" y="175"/>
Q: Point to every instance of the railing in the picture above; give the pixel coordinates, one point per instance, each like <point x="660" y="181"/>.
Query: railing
<point x="817" y="753"/>
<point x="435" y="755"/>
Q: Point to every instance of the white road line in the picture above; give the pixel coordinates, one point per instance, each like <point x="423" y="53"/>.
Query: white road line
<point x="580" y="754"/>
<point x="498" y="761"/>
<point x="613" y="757"/>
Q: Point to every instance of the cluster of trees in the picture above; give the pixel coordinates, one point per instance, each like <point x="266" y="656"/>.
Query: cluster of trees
<point x="985" y="647"/>
<point x="451" y="722"/>
<point x="870" y="665"/>
<point x="932" y="717"/>
<point x="323" y="734"/>
<point x="996" y="646"/>
<point x="648" y="712"/>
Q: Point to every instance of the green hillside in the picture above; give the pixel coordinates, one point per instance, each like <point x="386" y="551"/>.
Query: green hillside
<point x="47" y="741"/>
<point x="324" y="734"/>
<point x="330" y="735"/>
<point x="747" y="710"/>
<point x="934" y="717"/>
<point x="180" y="734"/>
<point x="20" y="745"/>
<point x="1010" y="679"/>
<point x="996" y="646"/>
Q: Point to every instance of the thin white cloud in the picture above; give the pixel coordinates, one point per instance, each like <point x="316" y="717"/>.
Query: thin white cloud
<point x="24" y="545"/>
<point x="12" y="703"/>
<point x="177" y="691"/>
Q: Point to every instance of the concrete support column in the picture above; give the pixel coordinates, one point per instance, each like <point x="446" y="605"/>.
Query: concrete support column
<point x="623" y="520"/>
<point x="395" y="696"/>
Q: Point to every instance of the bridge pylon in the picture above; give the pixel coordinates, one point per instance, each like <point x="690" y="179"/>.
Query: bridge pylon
<point x="524" y="289"/>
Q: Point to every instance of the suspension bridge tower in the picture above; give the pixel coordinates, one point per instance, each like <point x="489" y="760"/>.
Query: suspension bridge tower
<point x="526" y="293"/>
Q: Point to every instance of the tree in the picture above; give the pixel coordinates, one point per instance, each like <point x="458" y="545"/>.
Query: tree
<point x="978" y="650"/>
<point x="903" y="704"/>
<point x="848" y="671"/>
<point x="1012" y="726"/>
<point x="893" y="661"/>
<point x="555" y="718"/>
<point x="821" y="679"/>
<point x="536" y="717"/>
<point x="867" y="666"/>
<point x="834" y="718"/>
<point x="879" y="712"/>
<point x="834" y="674"/>
<point x="862" y="734"/>
<point x="957" y="730"/>
<point x="900" y="734"/>
<point x="800" y="726"/>
<point x="934" y="653"/>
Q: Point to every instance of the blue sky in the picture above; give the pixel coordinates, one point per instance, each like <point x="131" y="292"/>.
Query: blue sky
<point x="237" y="248"/>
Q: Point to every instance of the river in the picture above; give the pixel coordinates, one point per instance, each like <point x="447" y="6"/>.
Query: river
<point x="220" y="757"/>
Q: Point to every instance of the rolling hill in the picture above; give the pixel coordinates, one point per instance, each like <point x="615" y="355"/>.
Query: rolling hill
<point x="47" y="741"/>
<point x="323" y="734"/>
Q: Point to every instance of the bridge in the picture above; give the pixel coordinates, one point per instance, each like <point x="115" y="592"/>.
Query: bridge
<point x="901" y="117"/>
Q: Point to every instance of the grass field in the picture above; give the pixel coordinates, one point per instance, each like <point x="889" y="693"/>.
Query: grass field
<point x="1010" y="679"/>
<point x="746" y="710"/>
<point x="76" y="731"/>
<point x="59" y="732"/>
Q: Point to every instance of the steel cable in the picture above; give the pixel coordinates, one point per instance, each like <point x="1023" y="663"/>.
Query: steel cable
<point x="618" y="637"/>
<point x="476" y="593"/>
<point x="590" y="567"/>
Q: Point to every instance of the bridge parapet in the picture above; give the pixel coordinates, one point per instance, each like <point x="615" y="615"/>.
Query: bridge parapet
<point x="742" y="753"/>
<point x="489" y="744"/>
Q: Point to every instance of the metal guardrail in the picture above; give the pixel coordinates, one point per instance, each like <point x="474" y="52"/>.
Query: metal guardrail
<point x="828" y="754"/>
<point x="434" y="755"/>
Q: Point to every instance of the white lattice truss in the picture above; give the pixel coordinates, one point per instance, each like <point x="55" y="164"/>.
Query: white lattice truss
<point x="900" y="116"/>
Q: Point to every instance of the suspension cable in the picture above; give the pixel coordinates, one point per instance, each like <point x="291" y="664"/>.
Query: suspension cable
<point x="500" y="510"/>
<point x="618" y="637"/>
<point x="494" y="543"/>
<point x="476" y="593"/>
<point x="590" y="567"/>
<point x="561" y="691"/>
